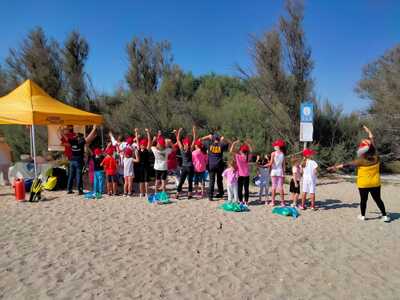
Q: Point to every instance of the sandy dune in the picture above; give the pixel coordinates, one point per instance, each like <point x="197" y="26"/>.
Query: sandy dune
<point x="125" y="248"/>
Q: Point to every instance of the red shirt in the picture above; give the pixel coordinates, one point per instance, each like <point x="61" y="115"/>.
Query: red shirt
<point x="67" y="148"/>
<point x="110" y="165"/>
<point x="172" y="161"/>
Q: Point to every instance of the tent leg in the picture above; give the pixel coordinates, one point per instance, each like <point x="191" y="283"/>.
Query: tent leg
<point x="34" y="149"/>
<point x="102" y="137"/>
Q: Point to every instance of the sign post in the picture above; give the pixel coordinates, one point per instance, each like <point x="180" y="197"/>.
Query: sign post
<point x="306" y="122"/>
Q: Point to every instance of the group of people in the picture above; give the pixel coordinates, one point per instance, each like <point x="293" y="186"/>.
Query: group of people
<point x="191" y="158"/>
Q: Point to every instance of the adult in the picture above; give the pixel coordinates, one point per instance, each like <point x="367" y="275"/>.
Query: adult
<point x="368" y="175"/>
<point x="186" y="147"/>
<point x="5" y="160"/>
<point x="76" y="162"/>
<point x="216" y="147"/>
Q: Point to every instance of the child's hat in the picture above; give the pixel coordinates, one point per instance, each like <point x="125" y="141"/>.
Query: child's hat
<point x="244" y="148"/>
<point x="198" y="143"/>
<point x="161" y="141"/>
<point x="186" y="141"/>
<point x="279" y="143"/>
<point x="97" y="151"/>
<point x="143" y="142"/>
<point x="110" y="151"/>
<point x="128" y="152"/>
<point x="308" y="152"/>
<point x="129" y="140"/>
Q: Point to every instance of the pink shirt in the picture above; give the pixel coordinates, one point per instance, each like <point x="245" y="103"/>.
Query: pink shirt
<point x="199" y="160"/>
<point x="242" y="165"/>
<point x="231" y="176"/>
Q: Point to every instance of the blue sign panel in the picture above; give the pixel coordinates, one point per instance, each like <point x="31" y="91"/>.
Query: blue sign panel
<point x="306" y="112"/>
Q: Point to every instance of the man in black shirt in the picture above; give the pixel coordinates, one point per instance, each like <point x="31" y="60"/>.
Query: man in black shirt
<point x="216" y="147"/>
<point x="76" y="162"/>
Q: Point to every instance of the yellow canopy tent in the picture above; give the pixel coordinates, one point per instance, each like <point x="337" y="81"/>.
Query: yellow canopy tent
<point x="28" y="104"/>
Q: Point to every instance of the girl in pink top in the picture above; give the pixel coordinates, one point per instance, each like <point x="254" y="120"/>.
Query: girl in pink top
<point x="242" y="158"/>
<point x="231" y="176"/>
<point x="199" y="159"/>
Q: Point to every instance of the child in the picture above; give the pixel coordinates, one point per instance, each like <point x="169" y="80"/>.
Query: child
<point x="173" y="165"/>
<point x="130" y="157"/>
<point x="309" y="178"/>
<point x="277" y="165"/>
<point x="295" y="181"/>
<point x="186" y="147"/>
<point x="98" y="182"/>
<point x="200" y="158"/>
<point x="263" y="173"/>
<point x="110" y="167"/>
<point x="231" y="175"/>
<point x="160" y="163"/>
<point x="242" y="158"/>
<point x="143" y="166"/>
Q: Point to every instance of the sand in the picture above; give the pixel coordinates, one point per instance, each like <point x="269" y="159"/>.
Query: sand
<point x="125" y="248"/>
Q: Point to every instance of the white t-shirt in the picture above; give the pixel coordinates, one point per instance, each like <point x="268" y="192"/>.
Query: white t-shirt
<point x="309" y="170"/>
<point x="277" y="166"/>
<point x="161" y="157"/>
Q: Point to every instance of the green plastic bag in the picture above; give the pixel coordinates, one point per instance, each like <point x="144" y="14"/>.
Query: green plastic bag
<point x="286" y="211"/>
<point x="235" y="207"/>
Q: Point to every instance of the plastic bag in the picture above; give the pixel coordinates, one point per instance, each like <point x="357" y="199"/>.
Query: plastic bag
<point x="286" y="211"/>
<point x="234" y="206"/>
<point x="92" y="195"/>
<point x="160" y="198"/>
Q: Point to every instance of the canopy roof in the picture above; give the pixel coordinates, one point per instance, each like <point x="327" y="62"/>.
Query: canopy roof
<point x="28" y="104"/>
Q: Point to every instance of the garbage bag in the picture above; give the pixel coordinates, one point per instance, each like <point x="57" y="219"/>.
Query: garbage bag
<point x="234" y="206"/>
<point x="286" y="211"/>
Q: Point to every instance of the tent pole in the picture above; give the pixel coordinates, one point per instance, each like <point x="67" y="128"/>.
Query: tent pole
<point x="34" y="149"/>
<point x="102" y="137"/>
<point x="30" y="140"/>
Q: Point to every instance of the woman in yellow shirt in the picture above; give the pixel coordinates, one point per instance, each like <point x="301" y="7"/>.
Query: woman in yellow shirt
<point x="368" y="175"/>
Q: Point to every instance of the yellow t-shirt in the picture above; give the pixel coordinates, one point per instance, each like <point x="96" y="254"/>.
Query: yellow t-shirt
<point x="368" y="172"/>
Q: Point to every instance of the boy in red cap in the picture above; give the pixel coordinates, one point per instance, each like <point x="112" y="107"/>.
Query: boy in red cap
<point x="110" y="167"/>
<point x="161" y="153"/>
<point x="277" y="165"/>
<point x="98" y="182"/>
<point x="310" y="167"/>
<point x="199" y="157"/>
<point x="186" y="147"/>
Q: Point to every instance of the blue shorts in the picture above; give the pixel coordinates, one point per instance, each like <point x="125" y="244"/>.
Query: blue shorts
<point x="199" y="177"/>
<point x="112" y="178"/>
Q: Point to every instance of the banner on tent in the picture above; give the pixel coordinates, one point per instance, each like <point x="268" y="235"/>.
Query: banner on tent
<point x="54" y="136"/>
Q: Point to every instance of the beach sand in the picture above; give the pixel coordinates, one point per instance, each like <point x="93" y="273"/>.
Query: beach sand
<point x="125" y="248"/>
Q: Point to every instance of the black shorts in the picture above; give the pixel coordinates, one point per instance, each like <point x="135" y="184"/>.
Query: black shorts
<point x="293" y="189"/>
<point x="199" y="177"/>
<point x="112" y="178"/>
<point x="161" y="175"/>
<point x="142" y="174"/>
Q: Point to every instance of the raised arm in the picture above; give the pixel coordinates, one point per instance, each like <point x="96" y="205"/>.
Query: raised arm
<point x="136" y="156"/>
<point x="370" y="135"/>
<point x="148" y="138"/>
<point x="136" y="139"/>
<point x="233" y="146"/>
<point x="194" y="133"/>
<point x="91" y="135"/>
<point x="207" y="137"/>
<point x="178" y="138"/>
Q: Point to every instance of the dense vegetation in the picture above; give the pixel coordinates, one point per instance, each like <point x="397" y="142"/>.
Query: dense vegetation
<point x="261" y="104"/>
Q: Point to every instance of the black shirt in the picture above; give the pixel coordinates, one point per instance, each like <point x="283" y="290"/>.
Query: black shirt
<point x="144" y="158"/>
<point x="186" y="158"/>
<point x="97" y="161"/>
<point x="78" y="148"/>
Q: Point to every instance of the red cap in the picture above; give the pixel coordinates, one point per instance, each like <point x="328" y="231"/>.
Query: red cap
<point x="308" y="152"/>
<point x="97" y="151"/>
<point x="198" y="143"/>
<point x="161" y="141"/>
<point x="110" y="150"/>
<point x="364" y="144"/>
<point x="128" y="152"/>
<point x="280" y="143"/>
<point x="244" y="148"/>
<point x="186" y="141"/>
<point x="129" y="140"/>
<point x="143" y="142"/>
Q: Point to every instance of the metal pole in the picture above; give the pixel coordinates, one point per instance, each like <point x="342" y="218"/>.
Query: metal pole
<point x="102" y="137"/>
<point x="30" y="140"/>
<point x="305" y="145"/>
<point x="34" y="149"/>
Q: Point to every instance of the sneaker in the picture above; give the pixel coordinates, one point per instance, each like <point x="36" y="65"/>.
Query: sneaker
<point x="302" y="207"/>
<point x="386" y="218"/>
<point x="70" y="192"/>
<point x="362" y="218"/>
<point x="293" y="205"/>
<point x="219" y="196"/>
<point x="80" y="193"/>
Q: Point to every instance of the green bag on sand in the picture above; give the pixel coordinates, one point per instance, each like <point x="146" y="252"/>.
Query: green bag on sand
<point x="163" y="198"/>
<point x="235" y="207"/>
<point x="286" y="211"/>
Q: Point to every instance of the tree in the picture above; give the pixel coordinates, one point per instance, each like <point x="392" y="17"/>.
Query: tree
<point x="148" y="63"/>
<point x="380" y="84"/>
<point x="37" y="59"/>
<point x="74" y="55"/>
<point x="4" y="82"/>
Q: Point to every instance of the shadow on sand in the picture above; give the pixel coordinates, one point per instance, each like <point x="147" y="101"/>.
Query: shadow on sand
<point x="334" y="204"/>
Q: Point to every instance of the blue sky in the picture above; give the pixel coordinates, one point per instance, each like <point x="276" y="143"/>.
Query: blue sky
<point x="213" y="35"/>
